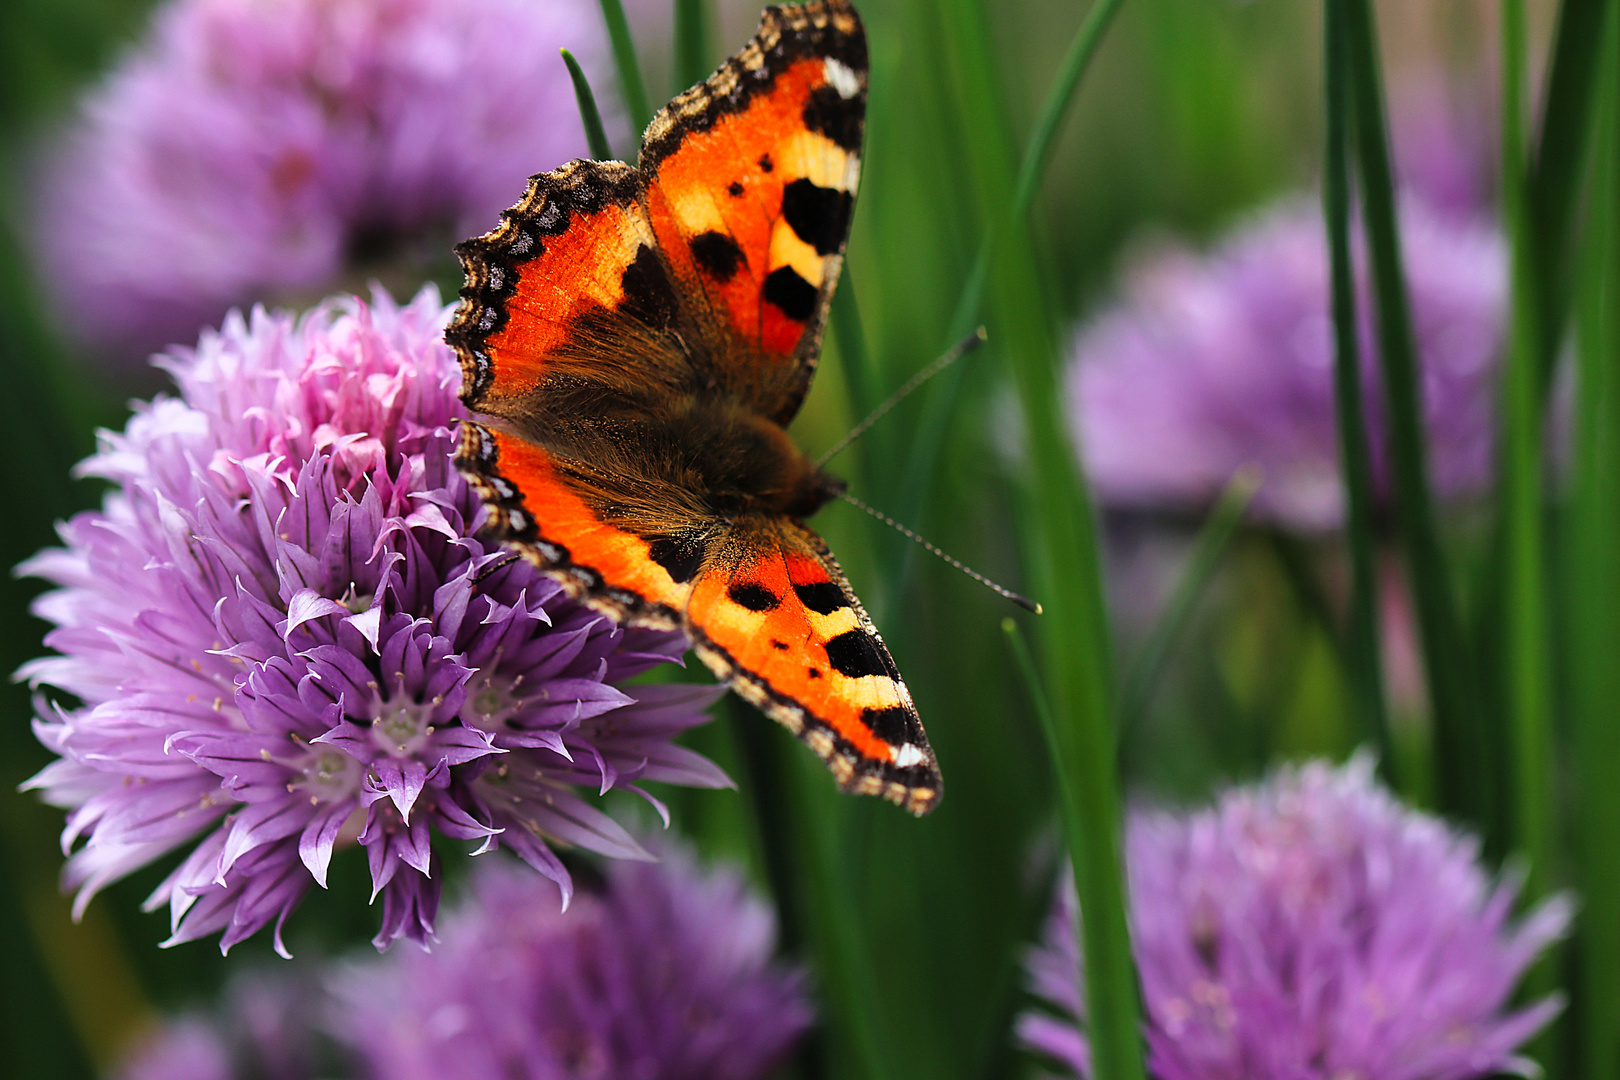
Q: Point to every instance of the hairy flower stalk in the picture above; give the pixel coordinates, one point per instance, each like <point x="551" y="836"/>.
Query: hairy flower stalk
<point x="284" y="637"/>
<point x="1309" y="928"/>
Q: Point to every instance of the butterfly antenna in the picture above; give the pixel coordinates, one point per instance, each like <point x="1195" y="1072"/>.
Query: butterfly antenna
<point x="1001" y="590"/>
<point x="495" y="567"/>
<point x="965" y="346"/>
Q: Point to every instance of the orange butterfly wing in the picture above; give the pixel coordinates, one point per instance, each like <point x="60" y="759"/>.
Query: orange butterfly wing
<point x="542" y="508"/>
<point x="751" y="193"/>
<point x="642" y="335"/>
<point x="782" y="625"/>
<point x="567" y="286"/>
<point x="767" y="608"/>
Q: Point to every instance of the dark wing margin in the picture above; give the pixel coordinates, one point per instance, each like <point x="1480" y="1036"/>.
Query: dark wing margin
<point x="822" y="29"/>
<point x="562" y="249"/>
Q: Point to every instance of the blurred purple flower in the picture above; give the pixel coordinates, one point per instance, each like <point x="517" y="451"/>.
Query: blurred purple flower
<point x="285" y="638"/>
<point x="1215" y="361"/>
<point x="1309" y="928"/>
<point x="265" y="1031"/>
<point x="270" y="151"/>
<point x="1444" y="141"/>
<point x="188" y="1048"/>
<point x="665" y="975"/>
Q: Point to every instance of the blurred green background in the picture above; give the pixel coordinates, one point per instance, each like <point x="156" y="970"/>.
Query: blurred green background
<point x="1194" y="112"/>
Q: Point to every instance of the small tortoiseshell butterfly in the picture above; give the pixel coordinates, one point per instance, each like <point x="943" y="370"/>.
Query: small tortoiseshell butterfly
<point x="641" y="337"/>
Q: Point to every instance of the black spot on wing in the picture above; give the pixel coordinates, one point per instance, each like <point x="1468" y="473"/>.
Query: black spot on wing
<point x="765" y="163"/>
<point x="735" y="190"/>
<point x="648" y="295"/>
<point x="753" y="596"/>
<point x="819" y="215"/>
<point x="790" y="292"/>
<point x="893" y="725"/>
<point x="680" y="556"/>
<point x="857" y="654"/>
<point x="718" y="254"/>
<point x="835" y="116"/>
<point x="821" y="597"/>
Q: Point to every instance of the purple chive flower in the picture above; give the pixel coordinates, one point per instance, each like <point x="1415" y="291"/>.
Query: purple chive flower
<point x="265" y="1031"/>
<point x="1213" y="361"/>
<point x="664" y="975"/>
<point x="285" y="638"/>
<point x="270" y="151"/>
<point x="188" y="1048"/>
<point x="1444" y="143"/>
<point x="1309" y="928"/>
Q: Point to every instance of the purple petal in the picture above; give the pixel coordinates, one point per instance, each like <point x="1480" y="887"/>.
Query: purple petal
<point x="319" y="837"/>
<point x="307" y="604"/>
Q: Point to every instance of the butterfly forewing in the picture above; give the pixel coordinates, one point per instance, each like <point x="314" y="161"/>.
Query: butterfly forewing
<point x="752" y="181"/>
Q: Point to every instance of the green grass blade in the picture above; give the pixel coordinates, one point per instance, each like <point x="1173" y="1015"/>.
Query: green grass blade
<point x="876" y="445"/>
<point x="1447" y="664"/>
<point x="809" y="867"/>
<point x="1555" y="180"/>
<point x="1594" y="592"/>
<point x="1525" y="625"/>
<point x="844" y="956"/>
<point x="1208" y="550"/>
<point x="1077" y="58"/>
<point x="922" y="462"/>
<point x="691" y="43"/>
<point x="595" y="136"/>
<point x="629" y="67"/>
<point x="1025" y="662"/>
<point x="1362" y="649"/>
<point x="854" y="358"/>
<point x="1056" y="531"/>
<point x="764" y="784"/>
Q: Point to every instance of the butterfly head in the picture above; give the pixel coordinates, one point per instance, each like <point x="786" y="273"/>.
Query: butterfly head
<point x="819" y="489"/>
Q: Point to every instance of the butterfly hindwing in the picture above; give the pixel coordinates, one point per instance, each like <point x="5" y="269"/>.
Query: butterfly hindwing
<point x="778" y="620"/>
<point x="766" y="606"/>
<point x="546" y="508"/>
<point x="751" y="186"/>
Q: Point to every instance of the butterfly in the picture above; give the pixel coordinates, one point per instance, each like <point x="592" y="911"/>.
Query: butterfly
<point x="636" y="339"/>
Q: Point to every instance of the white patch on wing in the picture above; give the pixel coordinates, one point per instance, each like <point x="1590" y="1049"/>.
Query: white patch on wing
<point x="907" y="755"/>
<point x="842" y="78"/>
